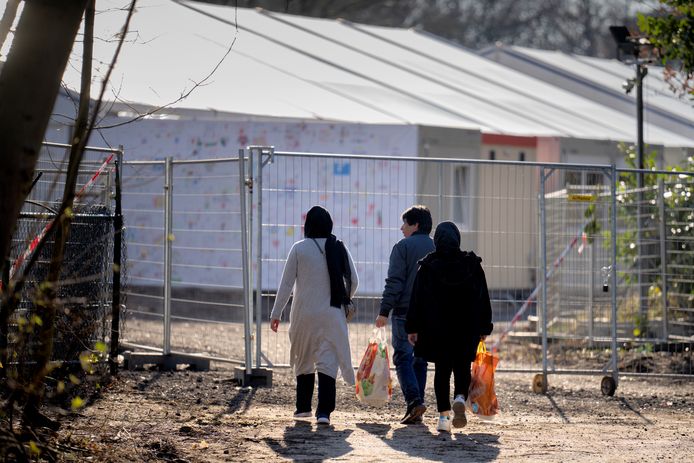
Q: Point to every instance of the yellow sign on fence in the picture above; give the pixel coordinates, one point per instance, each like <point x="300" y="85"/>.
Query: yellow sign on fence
<point x="581" y="197"/>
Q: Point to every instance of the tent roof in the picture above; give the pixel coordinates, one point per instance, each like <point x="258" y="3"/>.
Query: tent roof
<point x="288" y="66"/>
<point x="601" y="80"/>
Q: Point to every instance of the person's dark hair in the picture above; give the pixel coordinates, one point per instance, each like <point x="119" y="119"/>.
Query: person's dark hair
<point x="318" y="223"/>
<point x="418" y="214"/>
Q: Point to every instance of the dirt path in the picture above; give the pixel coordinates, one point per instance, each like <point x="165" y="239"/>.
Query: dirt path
<point x="201" y="417"/>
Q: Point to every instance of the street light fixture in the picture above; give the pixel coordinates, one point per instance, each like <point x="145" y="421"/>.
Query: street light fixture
<point x="638" y="50"/>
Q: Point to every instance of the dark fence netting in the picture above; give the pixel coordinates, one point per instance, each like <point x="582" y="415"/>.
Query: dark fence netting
<point x="82" y="323"/>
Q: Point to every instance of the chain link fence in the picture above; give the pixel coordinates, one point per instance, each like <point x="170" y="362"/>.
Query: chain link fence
<point x="83" y="317"/>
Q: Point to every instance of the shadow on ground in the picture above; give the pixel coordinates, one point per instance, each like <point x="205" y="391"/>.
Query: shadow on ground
<point x="304" y="442"/>
<point x="418" y="441"/>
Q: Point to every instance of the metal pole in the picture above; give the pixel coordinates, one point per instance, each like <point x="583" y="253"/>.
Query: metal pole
<point x="663" y="256"/>
<point x="4" y="324"/>
<point x="107" y="187"/>
<point x="543" y="234"/>
<point x="245" y="260"/>
<point x="613" y="239"/>
<point x="591" y="296"/>
<point x="249" y="227"/>
<point x="117" y="240"/>
<point x="440" y="211"/>
<point x="168" y="242"/>
<point x="640" y="74"/>
<point x="258" y="183"/>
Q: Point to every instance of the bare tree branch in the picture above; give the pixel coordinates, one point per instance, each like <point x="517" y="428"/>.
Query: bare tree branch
<point x="183" y="96"/>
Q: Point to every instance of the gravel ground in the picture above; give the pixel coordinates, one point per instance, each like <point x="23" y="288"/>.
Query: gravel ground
<point x="206" y="417"/>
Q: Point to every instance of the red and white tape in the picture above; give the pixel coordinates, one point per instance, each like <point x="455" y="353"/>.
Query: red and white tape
<point x="533" y="295"/>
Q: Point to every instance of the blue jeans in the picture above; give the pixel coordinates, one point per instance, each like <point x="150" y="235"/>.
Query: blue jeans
<point x="411" y="370"/>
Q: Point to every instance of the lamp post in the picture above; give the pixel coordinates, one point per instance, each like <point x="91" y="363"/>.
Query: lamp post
<point x="637" y="50"/>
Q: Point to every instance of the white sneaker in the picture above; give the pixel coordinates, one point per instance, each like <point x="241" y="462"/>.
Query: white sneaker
<point x="302" y="414"/>
<point x="459" y="418"/>
<point x="323" y="420"/>
<point x="444" y="424"/>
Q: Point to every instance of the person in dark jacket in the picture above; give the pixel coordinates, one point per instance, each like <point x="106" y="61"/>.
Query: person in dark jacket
<point x="402" y="268"/>
<point x="449" y="314"/>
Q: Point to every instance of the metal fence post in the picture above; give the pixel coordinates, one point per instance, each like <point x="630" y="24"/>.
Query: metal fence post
<point x="258" y="184"/>
<point x="168" y="251"/>
<point x="613" y="238"/>
<point x="108" y="182"/>
<point x="663" y="256"/>
<point x="245" y="260"/>
<point x="440" y="211"/>
<point x="117" y="242"/>
<point x="591" y="296"/>
<point x="543" y="238"/>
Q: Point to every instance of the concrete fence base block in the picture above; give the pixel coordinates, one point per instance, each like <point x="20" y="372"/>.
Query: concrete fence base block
<point x="136" y="360"/>
<point x="258" y="377"/>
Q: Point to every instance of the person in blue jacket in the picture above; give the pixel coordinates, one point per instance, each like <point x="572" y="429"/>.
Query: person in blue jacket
<point x="402" y="268"/>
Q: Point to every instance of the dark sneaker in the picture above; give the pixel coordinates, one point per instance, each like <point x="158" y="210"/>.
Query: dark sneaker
<point x="414" y="412"/>
<point x="302" y="415"/>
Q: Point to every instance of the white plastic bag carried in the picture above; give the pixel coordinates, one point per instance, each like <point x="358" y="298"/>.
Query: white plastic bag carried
<point x="374" y="386"/>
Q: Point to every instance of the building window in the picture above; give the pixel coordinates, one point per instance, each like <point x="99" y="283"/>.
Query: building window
<point x="594" y="178"/>
<point x="492" y="155"/>
<point x="579" y="178"/>
<point x="521" y="156"/>
<point x="573" y="178"/>
<point x="461" y="197"/>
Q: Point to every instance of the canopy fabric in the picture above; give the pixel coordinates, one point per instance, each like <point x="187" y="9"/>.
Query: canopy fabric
<point x="285" y="66"/>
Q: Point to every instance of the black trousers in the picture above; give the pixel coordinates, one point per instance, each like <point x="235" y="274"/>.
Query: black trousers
<point x="326" y="393"/>
<point x="442" y="382"/>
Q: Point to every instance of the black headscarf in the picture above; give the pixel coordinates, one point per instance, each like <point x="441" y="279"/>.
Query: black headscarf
<point x="319" y="224"/>
<point x="446" y="237"/>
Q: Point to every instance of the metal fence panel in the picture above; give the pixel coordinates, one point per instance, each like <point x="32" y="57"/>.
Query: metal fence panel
<point x="187" y="298"/>
<point x="508" y="213"/>
<point x="579" y="258"/>
<point x="503" y="213"/>
<point x="143" y="217"/>
<point x="494" y="204"/>
<point x="656" y="271"/>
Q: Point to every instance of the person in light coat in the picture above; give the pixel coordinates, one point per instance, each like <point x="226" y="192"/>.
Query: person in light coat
<point x="322" y="277"/>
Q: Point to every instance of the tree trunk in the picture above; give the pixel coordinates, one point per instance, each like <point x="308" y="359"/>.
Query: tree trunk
<point x="29" y="83"/>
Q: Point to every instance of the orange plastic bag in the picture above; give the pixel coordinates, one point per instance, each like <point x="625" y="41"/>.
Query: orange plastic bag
<point x="374" y="386"/>
<point x="481" y="399"/>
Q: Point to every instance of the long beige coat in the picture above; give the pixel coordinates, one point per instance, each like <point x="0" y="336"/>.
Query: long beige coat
<point x="318" y="333"/>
